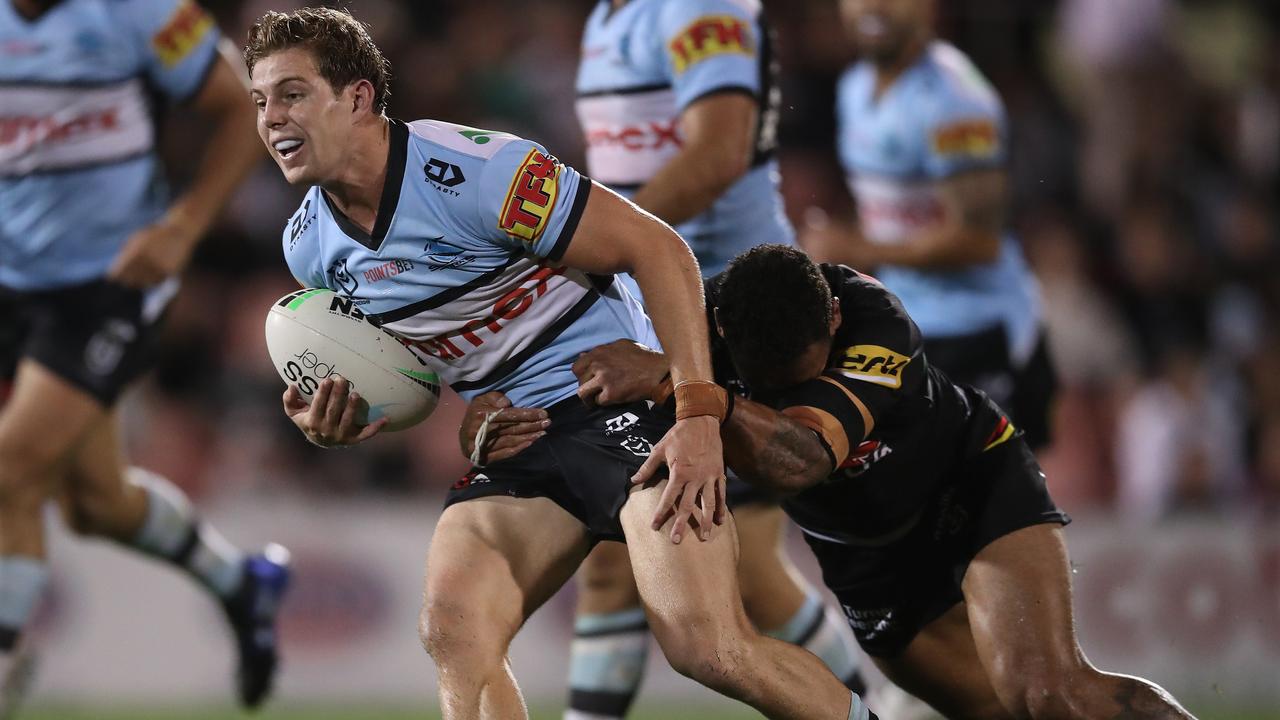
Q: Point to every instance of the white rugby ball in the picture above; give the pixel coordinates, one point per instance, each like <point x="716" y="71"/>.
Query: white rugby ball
<point x="315" y="333"/>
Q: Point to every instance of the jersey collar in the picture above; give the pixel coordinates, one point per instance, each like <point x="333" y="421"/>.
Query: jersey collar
<point x="397" y="156"/>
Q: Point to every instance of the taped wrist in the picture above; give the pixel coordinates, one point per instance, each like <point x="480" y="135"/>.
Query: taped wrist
<point x="695" y="398"/>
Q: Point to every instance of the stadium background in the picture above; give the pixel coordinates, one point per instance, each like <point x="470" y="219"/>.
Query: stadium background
<point x="1146" y="151"/>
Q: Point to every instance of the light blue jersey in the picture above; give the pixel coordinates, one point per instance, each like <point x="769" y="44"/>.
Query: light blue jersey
<point x="939" y="118"/>
<point x="642" y="65"/>
<point x="78" y="91"/>
<point x="463" y="262"/>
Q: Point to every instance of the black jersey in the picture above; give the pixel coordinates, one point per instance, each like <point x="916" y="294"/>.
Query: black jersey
<point x="923" y="424"/>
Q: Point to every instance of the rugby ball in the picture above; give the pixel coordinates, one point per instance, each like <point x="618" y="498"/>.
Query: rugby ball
<point x="315" y="333"/>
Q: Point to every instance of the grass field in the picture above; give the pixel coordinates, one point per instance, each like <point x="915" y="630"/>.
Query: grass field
<point x="376" y="713"/>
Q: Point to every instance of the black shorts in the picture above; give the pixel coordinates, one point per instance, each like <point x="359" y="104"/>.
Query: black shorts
<point x="95" y="336"/>
<point x="584" y="463"/>
<point x="983" y="361"/>
<point x="889" y="593"/>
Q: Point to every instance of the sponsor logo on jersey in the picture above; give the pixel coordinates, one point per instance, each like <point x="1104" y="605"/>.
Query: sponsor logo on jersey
<point x="182" y="33"/>
<point x="644" y="136"/>
<point x="532" y="196"/>
<point x="300" y="223"/>
<point x="479" y="137"/>
<point x="388" y="269"/>
<point x="873" y="364"/>
<point x="864" y="456"/>
<point x="708" y="36"/>
<point x="443" y="176"/>
<point x="52" y="128"/>
<point x="510" y="306"/>
<point x="979" y="138"/>
<point x="473" y="477"/>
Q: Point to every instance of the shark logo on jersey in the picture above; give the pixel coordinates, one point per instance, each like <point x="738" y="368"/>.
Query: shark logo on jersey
<point x="344" y="281"/>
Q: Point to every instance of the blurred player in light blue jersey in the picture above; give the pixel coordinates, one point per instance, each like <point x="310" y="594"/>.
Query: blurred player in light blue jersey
<point x="497" y="262"/>
<point x="90" y="248"/>
<point x="678" y="102"/>
<point x="924" y="144"/>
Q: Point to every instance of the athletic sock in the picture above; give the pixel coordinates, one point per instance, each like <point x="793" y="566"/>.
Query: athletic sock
<point x="606" y="664"/>
<point x="22" y="581"/>
<point x="859" y="711"/>
<point x="171" y="532"/>
<point x="823" y="632"/>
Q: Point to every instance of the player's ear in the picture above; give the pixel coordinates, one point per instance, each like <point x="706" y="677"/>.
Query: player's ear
<point x="362" y="97"/>
<point x="719" y="328"/>
<point x="835" y="317"/>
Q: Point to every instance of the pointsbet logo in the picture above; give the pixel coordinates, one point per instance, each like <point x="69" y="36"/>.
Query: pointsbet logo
<point x="874" y="364"/>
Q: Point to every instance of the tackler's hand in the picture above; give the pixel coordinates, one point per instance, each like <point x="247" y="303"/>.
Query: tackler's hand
<point x="492" y="430"/>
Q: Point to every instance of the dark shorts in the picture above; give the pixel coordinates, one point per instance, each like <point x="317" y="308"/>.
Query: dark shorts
<point x="889" y="593"/>
<point x="94" y="336"/>
<point x="983" y="361"/>
<point x="584" y="463"/>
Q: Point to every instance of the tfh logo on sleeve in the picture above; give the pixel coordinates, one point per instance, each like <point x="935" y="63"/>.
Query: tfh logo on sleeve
<point x="531" y="198"/>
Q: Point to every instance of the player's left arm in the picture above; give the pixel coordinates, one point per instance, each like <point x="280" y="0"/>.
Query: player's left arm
<point x="718" y="135"/>
<point x="973" y="210"/>
<point x="712" y="54"/>
<point x="189" y="61"/>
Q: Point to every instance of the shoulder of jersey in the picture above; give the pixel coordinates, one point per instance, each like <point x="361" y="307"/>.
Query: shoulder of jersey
<point x="697" y="7"/>
<point x="959" y="75"/>
<point x="483" y="144"/>
<point x="302" y="223"/>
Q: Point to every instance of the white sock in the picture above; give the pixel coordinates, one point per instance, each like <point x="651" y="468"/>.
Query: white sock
<point x="22" y="582"/>
<point x="823" y="632"/>
<point x="606" y="664"/>
<point x="171" y="532"/>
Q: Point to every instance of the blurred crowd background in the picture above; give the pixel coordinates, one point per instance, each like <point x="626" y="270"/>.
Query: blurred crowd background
<point x="1146" y="164"/>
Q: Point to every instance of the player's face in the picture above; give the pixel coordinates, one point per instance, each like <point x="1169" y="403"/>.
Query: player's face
<point x="301" y="119"/>
<point x="883" y="29"/>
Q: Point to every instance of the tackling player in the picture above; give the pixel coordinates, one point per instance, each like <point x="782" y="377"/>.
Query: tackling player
<point x="923" y="141"/>
<point x="505" y="262"/>
<point x="920" y="499"/>
<point x="678" y="102"/>
<point x="90" y="247"/>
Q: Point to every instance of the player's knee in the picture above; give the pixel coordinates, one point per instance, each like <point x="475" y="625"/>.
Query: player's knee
<point x="1041" y="690"/>
<point x="25" y="480"/>
<point x="455" y="636"/>
<point x="706" y="648"/>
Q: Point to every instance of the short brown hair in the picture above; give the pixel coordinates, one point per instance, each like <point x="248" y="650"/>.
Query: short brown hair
<point x="340" y="45"/>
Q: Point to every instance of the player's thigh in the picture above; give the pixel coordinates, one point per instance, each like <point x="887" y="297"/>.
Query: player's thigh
<point x="605" y="580"/>
<point x="43" y="421"/>
<point x="941" y="667"/>
<point x="690" y="591"/>
<point x="492" y="561"/>
<point x="1018" y="593"/>
<point x="772" y="589"/>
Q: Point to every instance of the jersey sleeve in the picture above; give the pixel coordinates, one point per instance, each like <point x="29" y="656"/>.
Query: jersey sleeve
<point x="877" y="362"/>
<point x="710" y="46"/>
<point x="300" y="242"/>
<point x="964" y="125"/>
<point x="530" y="200"/>
<point x="178" y="40"/>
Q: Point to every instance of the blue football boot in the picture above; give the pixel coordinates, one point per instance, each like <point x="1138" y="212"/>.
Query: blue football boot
<point x="253" y="611"/>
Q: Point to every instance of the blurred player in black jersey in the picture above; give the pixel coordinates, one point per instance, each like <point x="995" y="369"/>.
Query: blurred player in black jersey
<point x="925" y="508"/>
